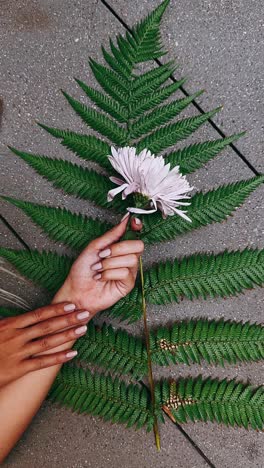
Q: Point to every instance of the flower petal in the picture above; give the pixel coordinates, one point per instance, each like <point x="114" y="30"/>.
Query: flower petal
<point x="112" y="193"/>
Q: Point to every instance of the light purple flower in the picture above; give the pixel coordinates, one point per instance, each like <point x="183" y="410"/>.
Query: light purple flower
<point x="150" y="176"/>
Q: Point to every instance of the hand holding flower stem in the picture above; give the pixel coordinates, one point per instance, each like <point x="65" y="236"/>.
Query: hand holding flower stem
<point x="154" y="186"/>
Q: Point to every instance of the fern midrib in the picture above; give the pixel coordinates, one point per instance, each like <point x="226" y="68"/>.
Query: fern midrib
<point x="117" y="401"/>
<point x="63" y="223"/>
<point x="117" y="350"/>
<point x="198" y="276"/>
<point x="206" y="341"/>
<point x="227" y="400"/>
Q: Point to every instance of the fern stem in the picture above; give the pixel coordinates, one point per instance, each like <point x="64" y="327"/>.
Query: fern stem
<point x="150" y="373"/>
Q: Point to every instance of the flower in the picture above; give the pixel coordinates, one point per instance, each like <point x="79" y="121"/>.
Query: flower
<point x="145" y="174"/>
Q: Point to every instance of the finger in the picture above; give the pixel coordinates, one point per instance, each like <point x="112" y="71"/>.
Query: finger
<point x="127" y="261"/>
<point x="52" y="341"/>
<point x="43" y="313"/>
<point x="56" y="324"/>
<point x="123" y="248"/>
<point x="48" y="360"/>
<point x="136" y="224"/>
<point x="116" y="274"/>
<point x="110" y="236"/>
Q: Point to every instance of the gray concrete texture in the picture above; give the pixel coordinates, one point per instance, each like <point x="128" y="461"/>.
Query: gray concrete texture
<point x="45" y="44"/>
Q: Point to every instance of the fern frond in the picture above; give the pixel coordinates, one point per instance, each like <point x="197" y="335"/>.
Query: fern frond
<point x="195" y="156"/>
<point x="86" y="147"/>
<point x="61" y="225"/>
<point x="214" y="341"/>
<point x="213" y="206"/>
<point x="113" y="349"/>
<point x="103" y="396"/>
<point x="160" y="116"/>
<point x="73" y="179"/>
<point x="222" y="401"/>
<point x="112" y="107"/>
<point x="146" y="35"/>
<point x="139" y="105"/>
<point x="116" y="65"/>
<point x="98" y="121"/>
<point x="129" y="308"/>
<point x="172" y="133"/>
<point x="204" y="275"/>
<point x="121" y="52"/>
<point x="151" y="80"/>
<point x="111" y="82"/>
<point x="47" y="269"/>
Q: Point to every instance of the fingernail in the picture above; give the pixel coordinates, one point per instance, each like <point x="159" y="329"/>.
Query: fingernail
<point x="137" y="221"/>
<point x="71" y="354"/>
<point x="124" y="217"/>
<point x="83" y="315"/>
<point x="81" y="330"/>
<point x="97" y="266"/>
<point x="105" y="253"/>
<point x="97" y="277"/>
<point x="69" y="307"/>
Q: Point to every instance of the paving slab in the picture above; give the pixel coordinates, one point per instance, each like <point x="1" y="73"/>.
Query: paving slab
<point x="59" y="438"/>
<point x="53" y="51"/>
<point x="219" y="46"/>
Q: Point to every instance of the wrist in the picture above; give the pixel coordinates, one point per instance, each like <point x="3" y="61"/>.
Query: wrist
<point x="68" y="294"/>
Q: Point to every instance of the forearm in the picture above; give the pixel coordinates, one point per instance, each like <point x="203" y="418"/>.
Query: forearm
<point x="21" y="399"/>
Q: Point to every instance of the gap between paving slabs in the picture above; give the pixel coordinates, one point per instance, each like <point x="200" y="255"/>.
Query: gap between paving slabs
<point x="234" y="148"/>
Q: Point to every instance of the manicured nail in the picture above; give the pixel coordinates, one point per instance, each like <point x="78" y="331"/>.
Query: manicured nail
<point x="81" y="330"/>
<point x="97" y="266"/>
<point x="105" y="253"/>
<point x="69" y="307"/>
<point x="98" y="276"/>
<point x="137" y="221"/>
<point x="83" y="315"/>
<point x="71" y="354"/>
<point x="124" y="217"/>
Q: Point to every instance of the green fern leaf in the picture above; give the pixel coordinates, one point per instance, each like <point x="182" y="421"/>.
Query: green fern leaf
<point x="47" y="269"/>
<point x="86" y="147"/>
<point x="113" y="349"/>
<point x="116" y="65"/>
<point x="114" y="85"/>
<point x="129" y="308"/>
<point x="210" y="340"/>
<point x="160" y="116"/>
<point x="151" y="80"/>
<point x="113" y="108"/>
<point x="205" y="275"/>
<point x="200" y="275"/>
<point x="103" y="396"/>
<point x="146" y="34"/>
<point x="140" y="105"/>
<point x="213" y="206"/>
<point x="73" y="179"/>
<point x="229" y="402"/>
<point x="195" y="156"/>
<point x="99" y="122"/>
<point x="172" y="133"/>
<point x="61" y="225"/>
<point x="122" y="55"/>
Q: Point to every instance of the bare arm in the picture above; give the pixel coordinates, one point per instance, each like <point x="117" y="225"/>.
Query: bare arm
<point x="104" y="272"/>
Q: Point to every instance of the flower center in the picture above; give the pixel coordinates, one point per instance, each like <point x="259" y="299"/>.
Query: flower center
<point x="141" y="200"/>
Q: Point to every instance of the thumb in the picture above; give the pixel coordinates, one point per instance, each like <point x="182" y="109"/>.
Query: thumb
<point x="113" y="235"/>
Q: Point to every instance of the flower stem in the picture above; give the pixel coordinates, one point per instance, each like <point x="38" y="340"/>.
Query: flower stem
<point x="150" y="373"/>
